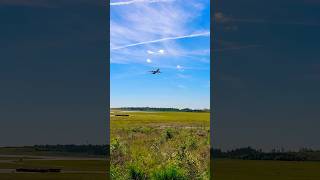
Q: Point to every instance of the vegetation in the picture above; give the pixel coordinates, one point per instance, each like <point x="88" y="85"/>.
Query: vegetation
<point x="160" y="109"/>
<point x="156" y="145"/>
<point x="160" y="145"/>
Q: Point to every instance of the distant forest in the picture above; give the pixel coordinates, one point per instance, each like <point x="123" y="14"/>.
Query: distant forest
<point x="160" y="109"/>
<point x="246" y="153"/>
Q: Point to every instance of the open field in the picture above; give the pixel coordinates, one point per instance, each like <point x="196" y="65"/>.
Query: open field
<point x="160" y="145"/>
<point x="265" y="170"/>
<point x="146" y="144"/>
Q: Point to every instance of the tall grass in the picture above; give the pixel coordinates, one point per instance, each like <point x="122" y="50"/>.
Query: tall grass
<point x="169" y="173"/>
<point x="163" y="150"/>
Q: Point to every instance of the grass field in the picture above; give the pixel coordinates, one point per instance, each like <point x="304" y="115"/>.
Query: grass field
<point x="154" y="146"/>
<point x="160" y="145"/>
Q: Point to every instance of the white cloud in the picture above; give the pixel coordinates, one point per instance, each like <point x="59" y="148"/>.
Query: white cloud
<point x="143" y="29"/>
<point x="150" y="52"/>
<point x="149" y="61"/>
<point x="143" y="22"/>
<point x="121" y="3"/>
<point x="161" y="51"/>
<point x="163" y="39"/>
<point x="124" y="2"/>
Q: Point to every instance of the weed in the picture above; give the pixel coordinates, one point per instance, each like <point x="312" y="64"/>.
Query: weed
<point x="136" y="173"/>
<point x="168" y="134"/>
<point x="169" y="173"/>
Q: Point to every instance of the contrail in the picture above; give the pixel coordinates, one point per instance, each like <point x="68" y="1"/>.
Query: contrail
<point x="135" y="1"/>
<point x="122" y="3"/>
<point x="163" y="39"/>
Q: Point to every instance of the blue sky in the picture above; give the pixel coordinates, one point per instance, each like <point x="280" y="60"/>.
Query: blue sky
<point x="168" y="34"/>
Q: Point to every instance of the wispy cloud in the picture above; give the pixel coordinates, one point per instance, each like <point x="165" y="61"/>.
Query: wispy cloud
<point x="162" y="39"/>
<point x="157" y="31"/>
<point x="161" y="51"/>
<point x="150" y="52"/>
<point x="149" y="60"/>
<point x="144" y="22"/>
<point x="121" y="3"/>
<point x="180" y="68"/>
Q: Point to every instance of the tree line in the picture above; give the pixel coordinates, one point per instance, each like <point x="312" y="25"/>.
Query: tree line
<point x="246" y="153"/>
<point x="161" y="109"/>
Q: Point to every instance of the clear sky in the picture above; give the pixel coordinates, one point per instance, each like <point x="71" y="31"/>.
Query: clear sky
<point x="168" y="34"/>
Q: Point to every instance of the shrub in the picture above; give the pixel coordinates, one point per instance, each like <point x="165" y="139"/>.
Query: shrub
<point x="144" y="130"/>
<point x="118" y="152"/>
<point x="192" y="143"/>
<point x="168" y="134"/>
<point x="169" y="173"/>
<point x="136" y="173"/>
<point x="116" y="172"/>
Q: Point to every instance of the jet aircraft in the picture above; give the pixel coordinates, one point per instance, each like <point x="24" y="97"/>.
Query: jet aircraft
<point x="155" y="71"/>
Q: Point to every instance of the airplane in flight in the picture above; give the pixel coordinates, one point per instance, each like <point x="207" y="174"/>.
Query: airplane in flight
<point x="155" y="71"/>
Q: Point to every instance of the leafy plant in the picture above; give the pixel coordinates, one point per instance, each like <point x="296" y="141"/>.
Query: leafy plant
<point x="136" y="173"/>
<point x="169" y="173"/>
<point x="168" y="134"/>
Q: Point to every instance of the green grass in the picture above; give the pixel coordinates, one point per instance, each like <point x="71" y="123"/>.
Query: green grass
<point x="160" y="145"/>
<point x="157" y="146"/>
<point x="156" y="119"/>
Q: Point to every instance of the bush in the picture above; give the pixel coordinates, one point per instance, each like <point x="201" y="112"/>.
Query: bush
<point x="136" y="173"/>
<point x="144" y="130"/>
<point x="192" y="143"/>
<point x="168" y="134"/>
<point x="118" y="152"/>
<point x="116" y="172"/>
<point x="169" y="173"/>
